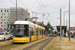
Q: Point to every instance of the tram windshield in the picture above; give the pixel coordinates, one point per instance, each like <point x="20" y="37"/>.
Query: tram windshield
<point x="21" y="30"/>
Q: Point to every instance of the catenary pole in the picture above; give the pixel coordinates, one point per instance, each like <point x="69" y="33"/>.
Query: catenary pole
<point x="60" y="24"/>
<point x="16" y="10"/>
<point x="69" y="20"/>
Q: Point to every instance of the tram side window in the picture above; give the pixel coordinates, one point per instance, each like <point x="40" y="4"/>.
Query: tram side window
<point x="36" y="31"/>
<point x="42" y="32"/>
<point x="26" y="30"/>
<point x="31" y="31"/>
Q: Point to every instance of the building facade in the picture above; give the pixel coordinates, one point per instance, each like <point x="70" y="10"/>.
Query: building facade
<point x="22" y="15"/>
<point x="4" y="18"/>
<point x="72" y="29"/>
<point x="8" y="16"/>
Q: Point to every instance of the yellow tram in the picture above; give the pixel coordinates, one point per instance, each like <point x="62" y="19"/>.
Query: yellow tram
<point x="54" y="33"/>
<point x="25" y="31"/>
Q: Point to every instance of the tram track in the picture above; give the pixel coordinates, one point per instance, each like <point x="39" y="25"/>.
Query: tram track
<point x="46" y="44"/>
<point x="6" y="46"/>
<point x="11" y="45"/>
<point x="37" y="43"/>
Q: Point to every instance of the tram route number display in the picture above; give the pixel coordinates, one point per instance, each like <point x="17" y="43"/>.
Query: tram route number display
<point x="19" y="25"/>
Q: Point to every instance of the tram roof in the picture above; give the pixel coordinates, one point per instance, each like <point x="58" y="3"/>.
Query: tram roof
<point x="36" y="25"/>
<point x="39" y="26"/>
<point x="27" y="22"/>
<point x="23" y="22"/>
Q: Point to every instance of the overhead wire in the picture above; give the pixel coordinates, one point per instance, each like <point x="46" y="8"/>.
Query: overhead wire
<point x="43" y="6"/>
<point x="40" y="5"/>
<point x="26" y="6"/>
<point x="45" y="9"/>
<point x="13" y="2"/>
<point x="23" y="4"/>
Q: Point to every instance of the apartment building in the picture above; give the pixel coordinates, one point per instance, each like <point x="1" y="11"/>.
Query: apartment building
<point x="8" y="16"/>
<point x="22" y="15"/>
<point x="4" y="18"/>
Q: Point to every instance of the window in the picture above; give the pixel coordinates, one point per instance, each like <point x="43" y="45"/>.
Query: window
<point x="1" y="25"/>
<point x="5" y="10"/>
<point x="44" y="32"/>
<point x="7" y="33"/>
<point x="21" y="30"/>
<point x="40" y="32"/>
<point x="4" y="25"/>
<point x="1" y="19"/>
<point x="1" y="33"/>
<point x="4" y="19"/>
<point x="2" y="13"/>
<point x="8" y="19"/>
<point x="1" y="22"/>
<point x="31" y="31"/>
<point x="7" y="16"/>
<point x="36" y="31"/>
<point x="8" y="13"/>
<point x="1" y="10"/>
<point x="5" y="22"/>
<point x="1" y="16"/>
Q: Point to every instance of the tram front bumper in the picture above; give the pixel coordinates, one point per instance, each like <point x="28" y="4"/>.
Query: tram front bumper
<point x="20" y="39"/>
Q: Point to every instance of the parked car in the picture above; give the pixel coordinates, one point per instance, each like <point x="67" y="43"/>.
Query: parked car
<point x="4" y="35"/>
<point x="11" y="36"/>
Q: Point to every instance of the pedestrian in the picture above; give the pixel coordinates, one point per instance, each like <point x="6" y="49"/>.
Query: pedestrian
<point x="62" y="34"/>
<point x="66" y="34"/>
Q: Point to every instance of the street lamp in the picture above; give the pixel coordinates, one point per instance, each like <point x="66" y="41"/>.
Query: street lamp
<point x="64" y="18"/>
<point x="69" y="20"/>
<point x="60" y="22"/>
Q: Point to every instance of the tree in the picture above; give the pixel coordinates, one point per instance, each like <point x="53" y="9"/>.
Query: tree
<point x="49" y="27"/>
<point x="41" y="24"/>
<point x="12" y="30"/>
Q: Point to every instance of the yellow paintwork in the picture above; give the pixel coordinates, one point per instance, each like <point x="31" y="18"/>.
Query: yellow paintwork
<point x="33" y="37"/>
<point x="21" y="39"/>
<point x="31" y="25"/>
<point x="53" y="34"/>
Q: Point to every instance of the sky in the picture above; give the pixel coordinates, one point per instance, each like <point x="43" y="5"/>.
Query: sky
<point x="52" y="7"/>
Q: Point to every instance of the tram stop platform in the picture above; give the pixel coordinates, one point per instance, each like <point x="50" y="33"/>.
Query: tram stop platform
<point x="61" y="44"/>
